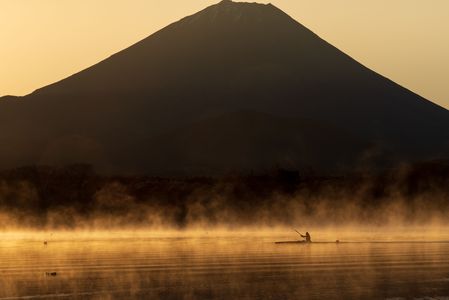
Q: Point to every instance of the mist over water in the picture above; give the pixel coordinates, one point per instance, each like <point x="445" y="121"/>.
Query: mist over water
<point x="75" y="198"/>
<point x="218" y="265"/>
<point x="214" y="238"/>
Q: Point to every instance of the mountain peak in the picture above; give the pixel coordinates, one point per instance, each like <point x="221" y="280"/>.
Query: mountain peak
<point x="230" y="2"/>
<point x="171" y="104"/>
<point x="234" y="12"/>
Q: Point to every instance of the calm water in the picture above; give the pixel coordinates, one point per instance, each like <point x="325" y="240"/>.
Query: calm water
<point x="214" y="267"/>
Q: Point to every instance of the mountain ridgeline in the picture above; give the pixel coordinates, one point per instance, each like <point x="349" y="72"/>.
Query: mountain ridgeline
<point x="237" y="87"/>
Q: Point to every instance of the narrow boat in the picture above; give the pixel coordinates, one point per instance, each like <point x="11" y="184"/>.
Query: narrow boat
<point x="292" y="242"/>
<point x="304" y="242"/>
<point x="307" y="240"/>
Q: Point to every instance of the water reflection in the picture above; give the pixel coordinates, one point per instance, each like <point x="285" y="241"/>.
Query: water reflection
<point x="139" y="266"/>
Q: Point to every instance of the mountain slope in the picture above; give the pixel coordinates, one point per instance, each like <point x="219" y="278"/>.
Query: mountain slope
<point x="251" y="141"/>
<point x="226" y="59"/>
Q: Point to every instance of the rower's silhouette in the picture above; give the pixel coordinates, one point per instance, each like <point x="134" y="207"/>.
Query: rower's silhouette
<point x="307" y="237"/>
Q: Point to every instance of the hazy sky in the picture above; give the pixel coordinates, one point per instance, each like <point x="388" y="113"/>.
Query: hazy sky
<point x="42" y="41"/>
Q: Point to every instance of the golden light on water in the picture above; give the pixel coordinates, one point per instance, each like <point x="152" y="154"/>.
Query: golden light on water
<point x="217" y="264"/>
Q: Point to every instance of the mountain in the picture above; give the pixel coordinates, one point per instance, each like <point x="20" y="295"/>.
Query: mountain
<point x="236" y="87"/>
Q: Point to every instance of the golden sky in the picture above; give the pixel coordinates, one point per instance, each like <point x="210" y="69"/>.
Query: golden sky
<point x="43" y="41"/>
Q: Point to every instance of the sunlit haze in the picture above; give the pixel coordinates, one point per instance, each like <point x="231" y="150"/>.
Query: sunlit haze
<point x="232" y="155"/>
<point x="47" y="40"/>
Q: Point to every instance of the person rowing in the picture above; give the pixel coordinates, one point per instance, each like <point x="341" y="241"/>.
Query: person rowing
<point x="307" y="237"/>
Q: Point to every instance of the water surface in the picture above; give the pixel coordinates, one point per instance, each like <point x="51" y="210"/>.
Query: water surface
<point x="130" y="266"/>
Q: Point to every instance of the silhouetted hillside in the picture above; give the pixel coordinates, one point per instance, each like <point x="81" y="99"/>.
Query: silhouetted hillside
<point x="74" y="196"/>
<point x="236" y="87"/>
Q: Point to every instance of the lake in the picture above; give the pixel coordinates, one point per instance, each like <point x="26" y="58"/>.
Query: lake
<point x="145" y="265"/>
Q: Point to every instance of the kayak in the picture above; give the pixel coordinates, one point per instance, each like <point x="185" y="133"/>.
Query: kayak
<point x="362" y="242"/>
<point x="304" y="242"/>
<point x="293" y="242"/>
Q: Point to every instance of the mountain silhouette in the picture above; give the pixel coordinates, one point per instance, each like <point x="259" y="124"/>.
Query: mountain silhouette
<point x="235" y="87"/>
